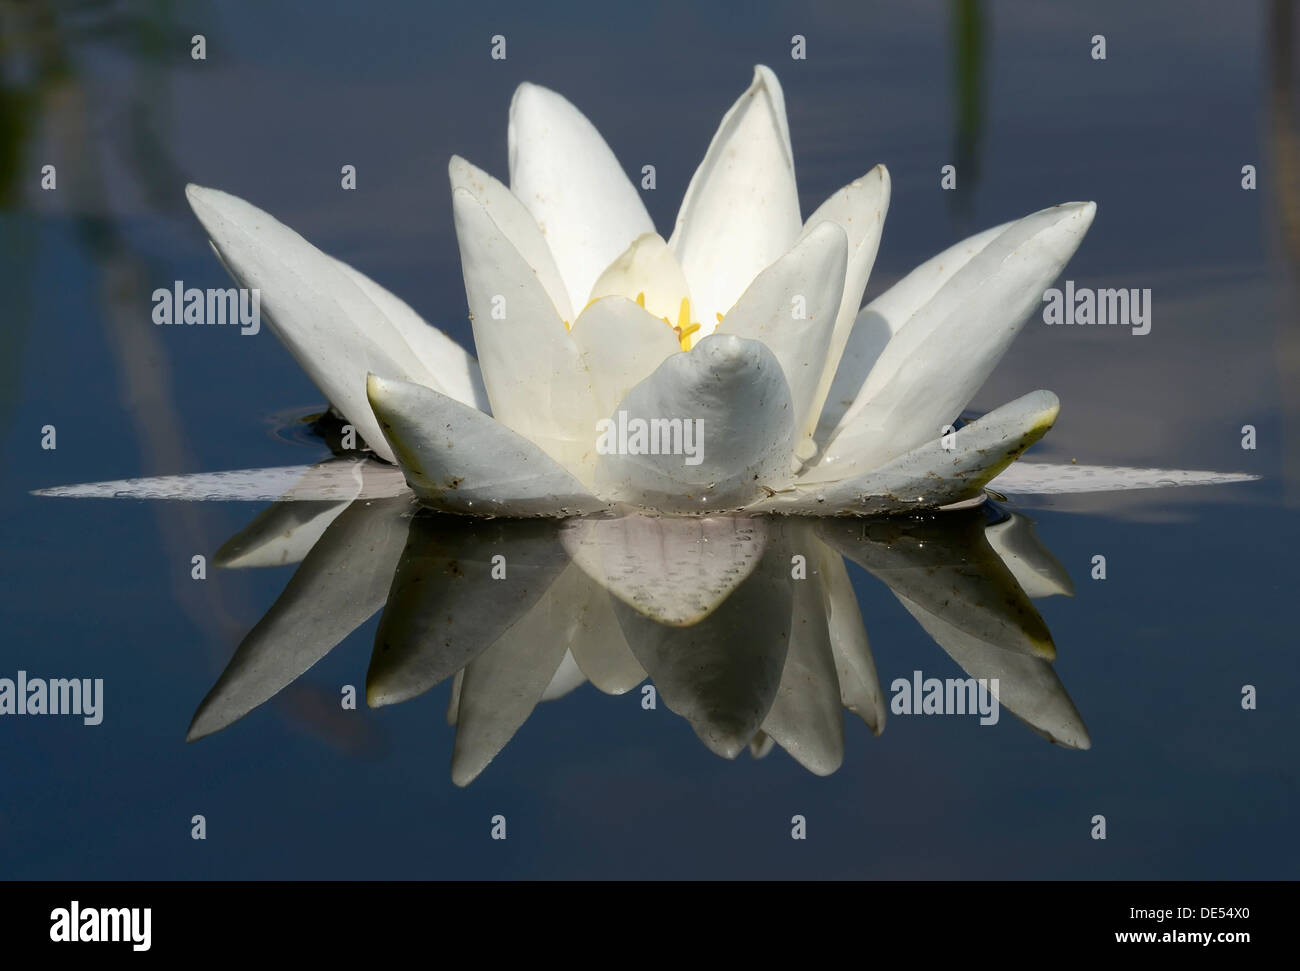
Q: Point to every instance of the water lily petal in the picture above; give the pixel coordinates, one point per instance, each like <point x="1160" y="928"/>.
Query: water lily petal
<point x="452" y="369"/>
<point x="532" y="371"/>
<point x="931" y="476"/>
<point x="941" y="357"/>
<point x="735" y="393"/>
<point x="446" y="606"/>
<point x="333" y="330"/>
<point x="1039" y="573"/>
<point x="1028" y="687"/>
<point x="1048" y="478"/>
<point x="859" y="209"/>
<point x="459" y="460"/>
<point x="567" y="177"/>
<point x="674" y="570"/>
<point x="791" y="308"/>
<point x="325" y="482"/>
<point x="517" y="225"/>
<point x="338" y="586"/>
<point x="741" y="209"/>
<point x="647" y="267"/>
<point x="620" y="345"/>
<point x="877" y="323"/>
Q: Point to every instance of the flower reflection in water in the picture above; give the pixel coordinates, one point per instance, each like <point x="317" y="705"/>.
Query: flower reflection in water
<point x="748" y="628"/>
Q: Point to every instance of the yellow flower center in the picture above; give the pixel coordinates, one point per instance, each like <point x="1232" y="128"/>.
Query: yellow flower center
<point x="683" y="328"/>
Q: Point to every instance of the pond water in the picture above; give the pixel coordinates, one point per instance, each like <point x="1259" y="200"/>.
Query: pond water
<point x="1150" y="663"/>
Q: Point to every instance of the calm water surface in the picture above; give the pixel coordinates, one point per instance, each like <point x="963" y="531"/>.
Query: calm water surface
<point x="1198" y="599"/>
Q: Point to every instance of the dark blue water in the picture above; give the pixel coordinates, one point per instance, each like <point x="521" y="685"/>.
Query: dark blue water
<point x="1197" y="600"/>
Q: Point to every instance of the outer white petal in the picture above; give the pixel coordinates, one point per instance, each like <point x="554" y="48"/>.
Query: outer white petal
<point x="331" y="481"/>
<point x="741" y="210"/>
<point x="340" y="583"/>
<point x="859" y="209"/>
<point x="938" y="361"/>
<point x="1047" y="478"/>
<point x="931" y="475"/>
<point x="517" y="225"/>
<point x="332" y="328"/>
<point x="877" y="323"/>
<point x="567" y="177"/>
<point x="620" y="345"/>
<point x="736" y="388"/>
<point x="451" y="369"/>
<point x="808" y="280"/>
<point x="675" y="570"/>
<point x="534" y="378"/>
<point x="459" y="460"/>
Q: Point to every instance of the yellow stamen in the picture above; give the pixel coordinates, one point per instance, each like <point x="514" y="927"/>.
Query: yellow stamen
<point x="719" y="316"/>
<point x="640" y="299"/>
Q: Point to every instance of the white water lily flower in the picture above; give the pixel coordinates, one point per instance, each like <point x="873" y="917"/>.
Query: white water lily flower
<point x="744" y="321"/>
<point x="743" y="327"/>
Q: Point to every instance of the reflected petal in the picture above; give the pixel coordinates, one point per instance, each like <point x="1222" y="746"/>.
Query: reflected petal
<point x="285" y="531"/>
<point x="1028" y="687"/>
<point x="722" y="673"/>
<point x="281" y="534"/>
<point x="948" y="568"/>
<point x="806" y="718"/>
<point x="674" y="570"/>
<point x="445" y="606"/>
<point x="855" y="667"/>
<point x="504" y="683"/>
<point x="1039" y="573"/>
<point x="338" y="586"/>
